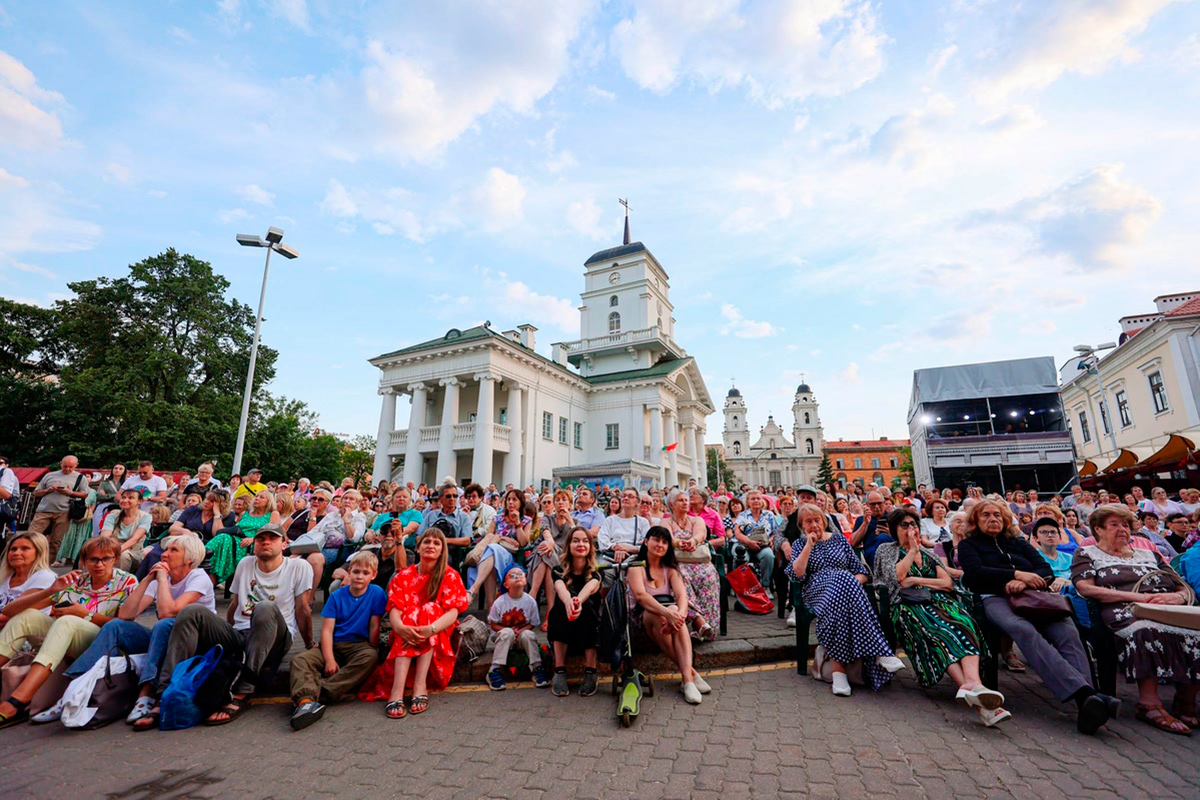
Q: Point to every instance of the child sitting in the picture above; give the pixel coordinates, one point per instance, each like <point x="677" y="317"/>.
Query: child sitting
<point x="575" y="621"/>
<point x="513" y="617"/>
<point x="349" y="643"/>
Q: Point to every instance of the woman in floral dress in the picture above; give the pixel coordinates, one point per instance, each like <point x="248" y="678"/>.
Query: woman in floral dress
<point x="424" y="601"/>
<point x="510" y="532"/>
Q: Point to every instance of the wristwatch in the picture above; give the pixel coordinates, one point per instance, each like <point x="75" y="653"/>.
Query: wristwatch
<point x="89" y="616"/>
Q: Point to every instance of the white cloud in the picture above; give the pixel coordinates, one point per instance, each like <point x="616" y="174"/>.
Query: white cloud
<point x="1054" y="37"/>
<point x="500" y="200"/>
<point x="388" y="211"/>
<point x="850" y="373"/>
<point x="32" y="221"/>
<point x="440" y="67"/>
<point x="294" y="11"/>
<point x="33" y="269"/>
<point x="25" y="121"/>
<point x="584" y="217"/>
<point x="1018" y="119"/>
<point x="1090" y="220"/>
<point x="7" y="179"/>
<point x="253" y="193"/>
<point x="777" y="50"/>
<point x="906" y="139"/>
<point x="118" y="172"/>
<point x="525" y="302"/>
<point x="228" y="215"/>
<point x="743" y="328"/>
<point x="942" y="59"/>
<point x="603" y="94"/>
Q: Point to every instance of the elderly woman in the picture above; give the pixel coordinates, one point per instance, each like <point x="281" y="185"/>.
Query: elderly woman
<point x="698" y="507"/>
<point x="937" y="631"/>
<point x="424" y="601"/>
<point x="1154" y="652"/>
<point x="24" y="568"/>
<point x="998" y="564"/>
<point x="832" y="577"/>
<point x="174" y="582"/>
<point x="689" y="535"/>
<point x="129" y="526"/>
<point x="659" y="608"/>
<point x="935" y="529"/>
<point x="80" y="604"/>
<point x="754" y="529"/>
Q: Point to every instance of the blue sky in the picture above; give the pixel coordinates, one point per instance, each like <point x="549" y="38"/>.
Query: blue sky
<point x="849" y="190"/>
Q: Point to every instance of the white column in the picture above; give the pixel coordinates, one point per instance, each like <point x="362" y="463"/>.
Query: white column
<point x="671" y="436"/>
<point x="701" y="457"/>
<point x="447" y="460"/>
<point x="656" y="435"/>
<point x="637" y="436"/>
<point x="416" y="419"/>
<point x="382" y="470"/>
<point x="513" y="461"/>
<point x="481" y="467"/>
<point x="689" y="441"/>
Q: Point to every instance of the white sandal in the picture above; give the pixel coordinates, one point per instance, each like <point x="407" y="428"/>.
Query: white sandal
<point x="140" y="709"/>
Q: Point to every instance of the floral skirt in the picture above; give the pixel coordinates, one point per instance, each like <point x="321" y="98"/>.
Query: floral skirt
<point x="226" y="552"/>
<point x="77" y="534"/>
<point x="1155" y="650"/>
<point x="704" y="595"/>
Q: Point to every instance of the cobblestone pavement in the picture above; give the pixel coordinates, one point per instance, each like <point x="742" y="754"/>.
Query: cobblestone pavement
<point x="764" y="732"/>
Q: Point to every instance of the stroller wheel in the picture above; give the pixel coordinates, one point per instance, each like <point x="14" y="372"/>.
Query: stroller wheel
<point x="648" y="685"/>
<point x="616" y="685"/>
<point x="626" y="720"/>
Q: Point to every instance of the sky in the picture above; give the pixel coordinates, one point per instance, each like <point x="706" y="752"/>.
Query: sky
<point x="843" y="189"/>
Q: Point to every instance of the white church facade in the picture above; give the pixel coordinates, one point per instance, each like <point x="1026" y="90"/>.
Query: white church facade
<point x="486" y="407"/>
<point x="771" y="460"/>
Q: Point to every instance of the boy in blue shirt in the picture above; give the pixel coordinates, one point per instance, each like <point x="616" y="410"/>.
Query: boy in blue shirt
<point x="349" y="643"/>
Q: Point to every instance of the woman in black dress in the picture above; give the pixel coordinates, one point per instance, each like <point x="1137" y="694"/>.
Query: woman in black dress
<point x="575" y="620"/>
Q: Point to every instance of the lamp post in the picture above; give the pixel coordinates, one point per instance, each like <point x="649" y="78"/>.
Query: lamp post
<point x="1088" y="351"/>
<point x="273" y="241"/>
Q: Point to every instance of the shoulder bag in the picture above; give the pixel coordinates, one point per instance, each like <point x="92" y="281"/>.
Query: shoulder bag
<point x="77" y="509"/>
<point x="1036" y="605"/>
<point x="1185" y="616"/>
<point x="916" y="595"/>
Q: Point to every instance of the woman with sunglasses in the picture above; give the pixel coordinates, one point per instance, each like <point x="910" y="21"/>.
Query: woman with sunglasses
<point x="80" y="603"/>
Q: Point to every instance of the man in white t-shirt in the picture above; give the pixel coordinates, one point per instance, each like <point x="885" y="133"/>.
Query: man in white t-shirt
<point x="10" y="489"/>
<point x="152" y="488"/>
<point x="269" y="607"/>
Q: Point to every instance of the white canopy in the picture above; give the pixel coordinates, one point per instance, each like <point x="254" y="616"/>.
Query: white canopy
<point x="1013" y="378"/>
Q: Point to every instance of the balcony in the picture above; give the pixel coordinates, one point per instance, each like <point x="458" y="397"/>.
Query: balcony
<point x="462" y="437"/>
<point x="619" y="341"/>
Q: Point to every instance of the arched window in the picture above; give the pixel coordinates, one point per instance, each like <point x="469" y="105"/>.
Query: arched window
<point x="808" y="445"/>
<point x="771" y="443"/>
<point x="614" y="322"/>
<point x="613" y="301"/>
<point x="806" y="420"/>
<point x="660" y="327"/>
<point x="878" y="478"/>
<point x="735" y="419"/>
<point x="737" y="448"/>
<point x="774" y="456"/>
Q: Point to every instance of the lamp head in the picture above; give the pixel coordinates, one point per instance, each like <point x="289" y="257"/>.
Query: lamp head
<point x="1082" y="348"/>
<point x="274" y="235"/>
<point x="250" y="240"/>
<point x="286" y="250"/>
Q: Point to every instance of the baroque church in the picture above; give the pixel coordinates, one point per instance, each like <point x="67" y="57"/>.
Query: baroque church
<point x="624" y="404"/>
<point x="772" y="460"/>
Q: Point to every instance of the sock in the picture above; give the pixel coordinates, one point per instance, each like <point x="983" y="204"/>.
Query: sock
<point x="1081" y="695"/>
<point x="560" y="670"/>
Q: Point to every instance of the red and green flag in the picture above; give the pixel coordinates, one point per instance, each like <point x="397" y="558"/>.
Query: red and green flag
<point x="669" y="447"/>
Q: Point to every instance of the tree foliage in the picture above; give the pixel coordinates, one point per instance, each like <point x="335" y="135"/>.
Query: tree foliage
<point x="149" y="365"/>
<point x="825" y="471"/>
<point x="358" y="460"/>
<point x="718" y="471"/>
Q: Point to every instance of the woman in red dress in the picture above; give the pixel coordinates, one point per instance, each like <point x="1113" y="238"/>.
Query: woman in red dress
<point x="424" y="601"/>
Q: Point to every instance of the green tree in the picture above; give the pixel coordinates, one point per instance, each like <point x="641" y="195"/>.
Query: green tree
<point x="825" y="471"/>
<point x="906" y="467"/>
<point x="718" y="471"/>
<point x="358" y="460"/>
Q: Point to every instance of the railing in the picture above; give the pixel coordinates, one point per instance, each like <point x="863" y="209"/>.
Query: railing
<point x="398" y="439"/>
<point x="622" y="339"/>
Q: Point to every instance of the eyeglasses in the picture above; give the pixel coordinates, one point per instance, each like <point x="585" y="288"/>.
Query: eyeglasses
<point x="908" y="523"/>
<point x="99" y="559"/>
<point x="319" y="500"/>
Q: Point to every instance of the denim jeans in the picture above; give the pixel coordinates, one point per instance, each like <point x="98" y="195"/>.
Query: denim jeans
<point x="132" y="638"/>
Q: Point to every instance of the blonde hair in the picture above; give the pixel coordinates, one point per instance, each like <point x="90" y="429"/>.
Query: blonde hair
<point x="283" y="504"/>
<point x="41" y="559"/>
<point x="160" y="513"/>
<point x="193" y="548"/>
<point x="268" y="496"/>
<point x="364" y="558"/>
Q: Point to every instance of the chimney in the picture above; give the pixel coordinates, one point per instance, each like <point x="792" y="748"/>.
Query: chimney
<point x="512" y="336"/>
<point x="558" y="353"/>
<point x="527" y="335"/>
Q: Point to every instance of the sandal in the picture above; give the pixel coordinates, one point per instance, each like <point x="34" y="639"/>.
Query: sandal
<point x="420" y="703"/>
<point x="148" y="722"/>
<point x="232" y="710"/>
<point x="1162" y="720"/>
<point x="1013" y="664"/>
<point x="17" y="717"/>
<point x="395" y="709"/>
<point x="1186" y="716"/>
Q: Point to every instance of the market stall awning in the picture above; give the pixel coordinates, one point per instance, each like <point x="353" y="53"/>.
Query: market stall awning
<point x="1175" y="450"/>
<point x="1088" y="468"/>
<point x="1125" y="459"/>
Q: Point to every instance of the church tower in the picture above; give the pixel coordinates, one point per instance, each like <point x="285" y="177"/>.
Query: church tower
<point x="737" y="431"/>
<point x="810" y="436"/>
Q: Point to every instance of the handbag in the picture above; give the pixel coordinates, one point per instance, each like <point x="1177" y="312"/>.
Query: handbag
<point x="916" y="595"/>
<point x="472" y="637"/>
<point x="1038" y="606"/>
<point x="749" y="591"/>
<point x="306" y="543"/>
<point x="77" y="508"/>
<point x="104" y="693"/>
<point x="1185" y="616"/>
<point x="13" y="674"/>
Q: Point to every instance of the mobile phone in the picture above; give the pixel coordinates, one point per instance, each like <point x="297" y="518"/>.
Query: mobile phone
<point x="63" y="604"/>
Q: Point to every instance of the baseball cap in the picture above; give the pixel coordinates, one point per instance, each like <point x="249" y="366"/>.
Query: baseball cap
<point x="255" y="471"/>
<point x="273" y="529"/>
<point x="807" y="488"/>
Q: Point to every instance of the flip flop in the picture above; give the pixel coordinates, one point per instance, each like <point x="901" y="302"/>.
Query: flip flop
<point x="233" y="709"/>
<point x="17" y="717"/>
<point x="395" y="710"/>
<point x="419" y="704"/>
<point x="1186" y="716"/>
<point x="148" y="722"/>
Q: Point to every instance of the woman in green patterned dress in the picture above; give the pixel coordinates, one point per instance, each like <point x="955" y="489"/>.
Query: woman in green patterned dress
<point x="231" y="545"/>
<point x="931" y="623"/>
<point x="78" y="532"/>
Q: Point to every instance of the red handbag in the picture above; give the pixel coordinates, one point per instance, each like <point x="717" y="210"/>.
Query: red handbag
<point x="749" y="591"/>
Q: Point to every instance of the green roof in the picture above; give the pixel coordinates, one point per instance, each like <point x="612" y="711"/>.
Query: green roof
<point x="657" y="371"/>
<point x="453" y="335"/>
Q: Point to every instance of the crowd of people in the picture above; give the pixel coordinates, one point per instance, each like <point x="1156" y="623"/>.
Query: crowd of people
<point x="939" y="573"/>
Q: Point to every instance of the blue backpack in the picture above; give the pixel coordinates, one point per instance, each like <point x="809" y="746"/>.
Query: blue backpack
<point x="178" y="704"/>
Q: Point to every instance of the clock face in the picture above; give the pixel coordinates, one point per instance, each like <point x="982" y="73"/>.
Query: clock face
<point x="614" y="278"/>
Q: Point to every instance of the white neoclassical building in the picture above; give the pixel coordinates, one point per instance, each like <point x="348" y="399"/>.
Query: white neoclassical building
<point x="486" y="407"/>
<point x="771" y="460"/>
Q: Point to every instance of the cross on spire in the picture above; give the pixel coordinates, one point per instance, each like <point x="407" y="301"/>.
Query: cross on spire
<point x="802" y="377"/>
<point x="625" y="202"/>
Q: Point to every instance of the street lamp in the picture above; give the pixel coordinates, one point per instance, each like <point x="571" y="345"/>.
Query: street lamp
<point x="273" y="241"/>
<point x="1088" y="351"/>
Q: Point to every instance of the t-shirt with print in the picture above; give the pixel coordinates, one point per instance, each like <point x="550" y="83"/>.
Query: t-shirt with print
<point x="252" y="586"/>
<point x="106" y="600"/>
<point x="146" y="487"/>
<point x="514" y="613"/>
<point x="35" y="582"/>
<point x="196" y="580"/>
<point x="352" y="615"/>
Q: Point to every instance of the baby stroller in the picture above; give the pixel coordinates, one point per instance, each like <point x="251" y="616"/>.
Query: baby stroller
<point x="628" y="684"/>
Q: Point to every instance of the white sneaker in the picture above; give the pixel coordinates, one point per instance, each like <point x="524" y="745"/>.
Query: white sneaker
<point x="890" y="663"/>
<point x="701" y="684"/>
<point x="52" y="714"/>
<point x="791" y="620"/>
<point x="691" y="693"/>
<point x="994" y="717"/>
<point x="841" y="684"/>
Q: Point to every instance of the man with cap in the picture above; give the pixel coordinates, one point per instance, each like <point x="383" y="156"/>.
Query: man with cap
<point x="251" y="484"/>
<point x="268" y="609"/>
